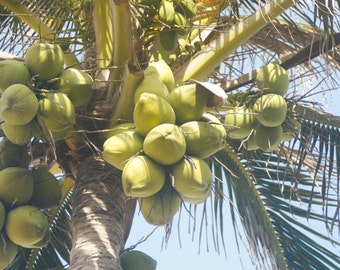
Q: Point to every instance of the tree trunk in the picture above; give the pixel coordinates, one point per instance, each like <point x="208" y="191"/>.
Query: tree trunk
<point x="99" y="217"/>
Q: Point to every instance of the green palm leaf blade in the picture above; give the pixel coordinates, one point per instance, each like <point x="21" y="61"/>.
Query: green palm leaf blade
<point x="255" y="219"/>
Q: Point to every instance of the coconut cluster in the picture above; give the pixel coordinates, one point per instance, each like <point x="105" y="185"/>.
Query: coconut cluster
<point x="39" y="98"/>
<point x="171" y="19"/>
<point x="25" y="195"/>
<point x="266" y="121"/>
<point x="162" y="152"/>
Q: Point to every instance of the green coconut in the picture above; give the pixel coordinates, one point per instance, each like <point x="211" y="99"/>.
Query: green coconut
<point x="8" y="251"/>
<point x="163" y="70"/>
<point x="134" y="259"/>
<point x="26" y="225"/>
<point x="19" y="135"/>
<point x="250" y="144"/>
<point x="272" y="78"/>
<point x="165" y="144"/>
<point x="181" y="23"/>
<point x="189" y="102"/>
<point x="192" y="179"/>
<point x="166" y="12"/>
<point x="202" y="139"/>
<point x="151" y="84"/>
<point x="46" y="191"/>
<point x="13" y="72"/>
<point x="12" y="155"/>
<point x="187" y="7"/>
<point x="160" y="208"/>
<point x="18" y="105"/>
<point x="56" y="111"/>
<point x="239" y="122"/>
<point x="119" y="129"/>
<point x="43" y="242"/>
<point x="119" y="148"/>
<point x="76" y="84"/>
<point x="44" y="60"/>
<point x="2" y="215"/>
<point x="271" y="110"/>
<point x="267" y="138"/>
<point x="215" y="122"/>
<point x="16" y="186"/>
<point x="142" y="177"/>
<point x="151" y="111"/>
<point x="168" y="40"/>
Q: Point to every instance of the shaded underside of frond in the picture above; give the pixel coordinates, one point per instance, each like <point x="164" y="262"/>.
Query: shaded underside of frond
<point x="291" y="195"/>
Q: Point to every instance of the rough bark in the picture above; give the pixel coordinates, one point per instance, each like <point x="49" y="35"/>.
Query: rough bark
<point x="98" y="221"/>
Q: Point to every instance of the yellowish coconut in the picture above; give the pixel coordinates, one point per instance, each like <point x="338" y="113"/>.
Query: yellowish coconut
<point x="8" y="251"/>
<point x="192" y="179"/>
<point x="18" y="105"/>
<point x="166" y="12"/>
<point x="119" y="129"/>
<point x="151" y="84"/>
<point x="272" y="78"/>
<point x="215" y="122"/>
<point x="56" y="111"/>
<point x="76" y="84"/>
<point x="189" y="102"/>
<point x="151" y="111"/>
<point x="271" y="110"/>
<point x="44" y="60"/>
<point x="160" y="208"/>
<point x="163" y="70"/>
<point x="26" y="225"/>
<point x="43" y="242"/>
<point x="13" y="72"/>
<point x="202" y="139"/>
<point x="119" y="148"/>
<point x="181" y="23"/>
<point x="250" y="144"/>
<point x="19" y="135"/>
<point x="2" y="215"/>
<point x="16" y="186"/>
<point x="267" y="138"/>
<point x="239" y="122"/>
<point x="165" y="144"/>
<point x="142" y="177"/>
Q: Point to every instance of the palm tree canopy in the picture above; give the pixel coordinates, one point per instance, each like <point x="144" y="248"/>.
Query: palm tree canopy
<point x="227" y="41"/>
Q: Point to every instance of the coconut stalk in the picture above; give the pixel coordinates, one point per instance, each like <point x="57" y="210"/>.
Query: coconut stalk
<point x="32" y="20"/>
<point x="103" y="27"/>
<point x="219" y="49"/>
<point x="122" y="45"/>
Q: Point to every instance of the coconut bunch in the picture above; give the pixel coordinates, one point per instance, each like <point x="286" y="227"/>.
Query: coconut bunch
<point x="162" y="152"/>
<point x="265" y="122"/>
<point x="39" y="98"/>
<point x="25" y="195"/>
<point x="171" y="19"/>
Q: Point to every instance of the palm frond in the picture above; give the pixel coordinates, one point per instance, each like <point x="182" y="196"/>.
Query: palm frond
<point x="255" y="220"/>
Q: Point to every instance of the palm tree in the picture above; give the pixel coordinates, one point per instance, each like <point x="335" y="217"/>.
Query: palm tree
<point x="226" y="42"/>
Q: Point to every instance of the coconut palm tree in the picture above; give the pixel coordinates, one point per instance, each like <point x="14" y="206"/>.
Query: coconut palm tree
<point x="220" y="42"/>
